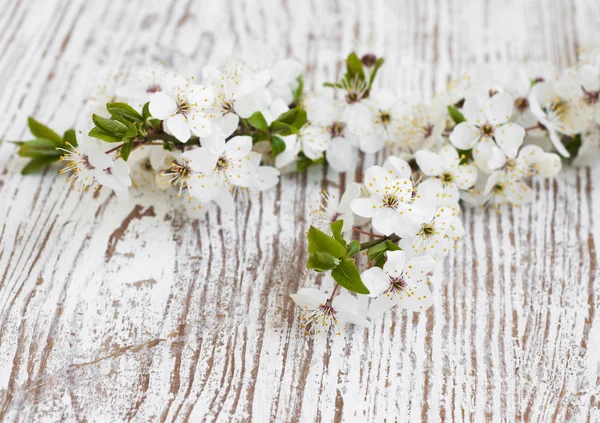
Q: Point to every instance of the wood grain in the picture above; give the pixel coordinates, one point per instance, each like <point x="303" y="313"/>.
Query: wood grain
<point x="138" y="313"/>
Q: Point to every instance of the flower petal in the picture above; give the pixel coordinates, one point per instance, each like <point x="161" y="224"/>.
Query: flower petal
<point x="464" y="136"/>
<point x="466" y="176"/>
<point x="228" y="123"/>
<point x="340" y="154"/>
<point x="398" y="166"/>
<point x="366" y="207"/>
<point x="201" y="159"/>
<point x="418" y="268"/>
<point x="418" y="298"/>
<point x="499" y="108"/>
<point x="238" y="147"/>
<point x="394" y="265"/>
<point x="430" y="163"/>
<point x="376" y="280"/>
<point x="382" y="304"/>
<point x="450" y="158"/>
<point x="162" y="106"/>
<point x="245" y="106"/>
<point x="386" y="221"/>
<point x="510" y="137"/>
<point x="178" y="127"/>
<point x="309" y="297"/>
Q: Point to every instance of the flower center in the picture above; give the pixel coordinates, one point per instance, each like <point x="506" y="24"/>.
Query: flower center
<point x="522" y="104"/>
<point x="223" y="164"/>
<point x="390" y="201"/>
<point x="153" y="88"/>
<point x="428" y="130"/>
<point x="510" y="165"/>
<point x="180" y="174"/>
<point x="335" y="216"/>
<point x="337" y="129"/>
<point x="487" y="130"/>
<point x="498" y="188"/>
<point x="427" y="229"/>
<point x="397" y="284"/>
<point x="183" y="107"/>
<point x="227" y="107"/>
<point x="385" y="118"/>
<point x="447" y="177"/>
<point x="591" y="97"/>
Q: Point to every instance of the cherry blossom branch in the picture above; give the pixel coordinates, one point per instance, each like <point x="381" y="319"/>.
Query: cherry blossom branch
<point x="355" y="229"/>
<point x="365" y="245"/>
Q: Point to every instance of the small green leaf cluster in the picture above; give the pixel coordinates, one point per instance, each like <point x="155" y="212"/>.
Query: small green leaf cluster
<point x="287" y="123"/>
<point x="124" y="125"/>
<point x="45" y="148"/>
<point x="335" y="254"/>
<point x="363" y="71"/>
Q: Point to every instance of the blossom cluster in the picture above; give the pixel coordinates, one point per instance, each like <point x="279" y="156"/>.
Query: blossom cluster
<point x="480" y="144"/>
<point x="228" y="133"/>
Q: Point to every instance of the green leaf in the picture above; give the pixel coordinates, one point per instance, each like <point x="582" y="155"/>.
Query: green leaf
<point x="42" y="131"/>
<point x="277" y="145"/>
<point x="259" y="136"/>
<point x="289" y="122"/>
<point x="304" y="163"/>
<point x="126" y="150"/>
<point x="465" y="155"/>
<point x="70" y="136"/>
<point x="353" y="248"/>
<point x="322" y="261"/>
<point x="38" y="163"/>
<point x="131" y="132"/>
<point x="146" y="112"/>
<point x="346" y="274"/>
<point x="39" y="147"/>
<point x="257" y="120"/>
<point x="299" y="91"/>
<point x="125" y="111"/>
<point x="112" y="127"/>
<point x="572" y="143"/>
<point x="336" y="229"/>
<point x="377" y="252"/>
<point x="456" y="115"/>
<point x="378" y="64"/>
<point x="355" y="67"/>
<point x="318" y="241"/>
<point x="155" y="123"/>
<point x="103" y="135"/>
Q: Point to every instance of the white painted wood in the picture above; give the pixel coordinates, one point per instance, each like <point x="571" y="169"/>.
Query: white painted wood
<point x="138" y="313"/>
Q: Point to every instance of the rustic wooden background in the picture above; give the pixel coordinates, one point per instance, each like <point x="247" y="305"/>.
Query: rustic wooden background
<point x="112" y="313"/>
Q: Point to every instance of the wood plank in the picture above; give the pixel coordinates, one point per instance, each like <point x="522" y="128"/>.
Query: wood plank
<point x="139" y="313"/>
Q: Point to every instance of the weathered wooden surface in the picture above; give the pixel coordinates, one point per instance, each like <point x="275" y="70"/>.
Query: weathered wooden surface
<point x="137" y="313"/>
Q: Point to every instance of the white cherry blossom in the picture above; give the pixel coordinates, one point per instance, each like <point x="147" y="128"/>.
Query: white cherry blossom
<point x="329" y="209"/>
<point x="85" y="162"/>
<point x="437" y="227"/>
<point x="487" y="124"/>
<point x="531" y="160"/>
<point x="219" y="165"/>
<point x="446" y="171"/>
<point x="386" y="115"/>
<point x="237" y="94"/>
<point x="421" y="128"/>
<point x="400" y="282"/>
<point x="116" y="177"/>
<point x="185" y="113"/>
<point x="319" y="313"/>
<point x="328" y="133"/>
<point x="390" y="201"/>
